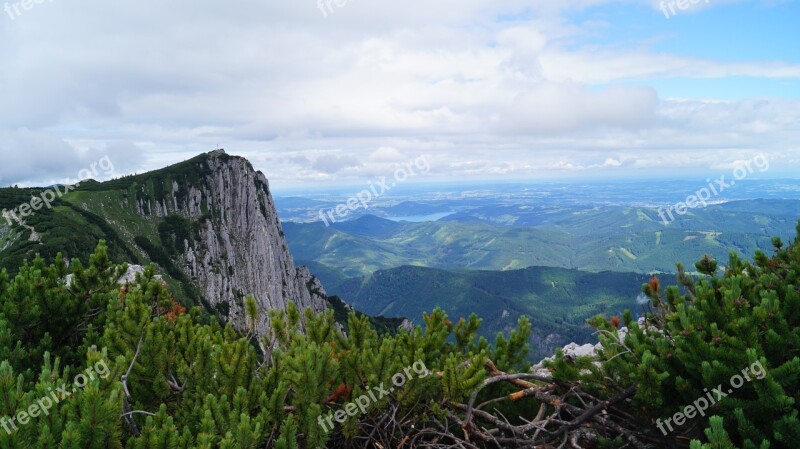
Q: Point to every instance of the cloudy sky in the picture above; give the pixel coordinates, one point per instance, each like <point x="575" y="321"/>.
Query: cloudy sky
<point x="324" y="92"/>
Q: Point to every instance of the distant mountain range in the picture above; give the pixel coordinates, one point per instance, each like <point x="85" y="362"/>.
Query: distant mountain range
<point x="597" y="238"/>
<point x="586" y="259"/>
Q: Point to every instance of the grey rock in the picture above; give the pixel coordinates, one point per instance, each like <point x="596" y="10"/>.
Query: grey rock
<point x="240" y="247"/>
<point x="130" y="274"/>
<point x="406" y="325"/>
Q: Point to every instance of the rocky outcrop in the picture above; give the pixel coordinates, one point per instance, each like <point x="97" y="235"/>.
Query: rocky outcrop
<point x="233" y="244"/>
<point x="407" y="325"/>
<point x="573" y="351"/>
<point x="128" y="277"/>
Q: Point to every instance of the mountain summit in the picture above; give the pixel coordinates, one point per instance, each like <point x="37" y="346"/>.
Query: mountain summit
<point x="209" y="222"/>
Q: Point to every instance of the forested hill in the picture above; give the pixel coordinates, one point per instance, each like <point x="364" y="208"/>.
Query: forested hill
<point x="557" y="301"/>
<point x="591" y="238"/>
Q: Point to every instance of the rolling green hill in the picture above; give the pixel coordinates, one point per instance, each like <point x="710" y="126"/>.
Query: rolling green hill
<point x="557" y="301"/>
<point x="595" y="239"/>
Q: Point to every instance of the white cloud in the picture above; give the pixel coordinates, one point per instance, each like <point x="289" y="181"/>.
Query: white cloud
<point x="38" y="158"/>
<point x="566" y="107"/>
<point x="387" y="154"/>
<point x="327" y="99"/>
<point x="331" y="163"/>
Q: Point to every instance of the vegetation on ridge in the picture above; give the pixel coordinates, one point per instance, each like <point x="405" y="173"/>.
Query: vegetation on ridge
<point x="177" y="381"/>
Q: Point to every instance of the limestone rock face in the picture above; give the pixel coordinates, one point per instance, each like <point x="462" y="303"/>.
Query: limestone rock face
<point x="237" y="246"/>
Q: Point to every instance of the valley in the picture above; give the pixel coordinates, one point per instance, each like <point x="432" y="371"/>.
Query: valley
<point x="598" y="248"/>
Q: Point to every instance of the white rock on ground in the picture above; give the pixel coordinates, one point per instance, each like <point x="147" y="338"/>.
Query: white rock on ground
<point x="572" y="351"/>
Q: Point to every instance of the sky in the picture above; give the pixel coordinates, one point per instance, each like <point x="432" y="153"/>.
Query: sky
<point x="332" y="92"/>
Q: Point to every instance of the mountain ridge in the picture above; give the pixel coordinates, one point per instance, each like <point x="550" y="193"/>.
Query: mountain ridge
<point x="209" y="222"/>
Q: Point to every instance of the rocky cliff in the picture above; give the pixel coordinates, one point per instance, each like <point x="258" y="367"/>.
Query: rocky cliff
<point x="209" y="223"/>
<point x="226" y="236"/>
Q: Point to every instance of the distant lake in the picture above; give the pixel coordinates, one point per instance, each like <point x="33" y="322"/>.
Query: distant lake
<point x="420" y="218"/>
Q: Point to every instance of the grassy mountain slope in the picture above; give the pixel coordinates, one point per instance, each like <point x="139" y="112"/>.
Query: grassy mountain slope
<point x="65" y="228"/>
<point x="95" y="211"/>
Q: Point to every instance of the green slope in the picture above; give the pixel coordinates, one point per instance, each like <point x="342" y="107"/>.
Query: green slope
<point x="93" y="211"/>
<point x="558" y="301"/>
<point x="65" y="228"/>
<point x="594" y="239"/>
